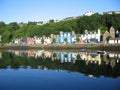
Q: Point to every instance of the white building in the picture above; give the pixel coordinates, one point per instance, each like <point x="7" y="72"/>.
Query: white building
<point x="114" y="41"/>
<point x="47" y="40"/>
<point x="111" y="12"/>
<point x="17" y="41"/>
<point x="38" y="40"/>
<point x="89" y="13"/>
<point x="92" y="36"/>
<point x="89" y="36"/>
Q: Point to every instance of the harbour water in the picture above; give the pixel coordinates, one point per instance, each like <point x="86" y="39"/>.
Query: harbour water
<point x="59" y="70"/>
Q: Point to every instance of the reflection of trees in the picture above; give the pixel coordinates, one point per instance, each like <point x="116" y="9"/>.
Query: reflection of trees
<point x="43" y="55"/>
<point x="9" y="59"/>
<point x="78" y="57"/>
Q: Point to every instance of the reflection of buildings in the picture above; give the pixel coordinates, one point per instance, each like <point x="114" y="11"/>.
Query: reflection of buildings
<point x="95" y="58"/>
<point x="47" y="54"/>
<point x="110" y="58"/>
<point x="66" y="57"/>
<point x="39" y="53"/>
<point x="31" y="53"/>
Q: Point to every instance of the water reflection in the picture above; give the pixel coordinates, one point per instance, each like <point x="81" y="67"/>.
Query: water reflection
<point x="89" y="63"/>
<point x="88" y="57"/>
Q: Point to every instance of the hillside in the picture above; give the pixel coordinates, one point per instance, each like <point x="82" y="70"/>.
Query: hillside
<point x="79" y="24"/>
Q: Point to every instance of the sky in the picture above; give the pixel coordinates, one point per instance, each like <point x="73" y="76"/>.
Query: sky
<point x="44" y="10"/>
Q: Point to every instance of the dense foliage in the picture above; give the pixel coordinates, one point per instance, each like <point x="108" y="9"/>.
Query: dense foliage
<point x="22" y="30"/>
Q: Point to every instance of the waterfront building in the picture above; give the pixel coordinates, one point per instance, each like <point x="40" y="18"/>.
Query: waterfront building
<point x="30" y="41"/>
<point x="22" y="41"/>
<point x="117" y="34"/>
<point x="111" y="33"/>
<point x="65" y="37"/>
<point x="38" y="40"/>
<point x="114" y="41"/>
<point x="92" y="36"/>
<point x="89" y="36"/>
<point x="47" y="40"/>
<point x="54" y="38"/>
<point x="17" y="41"/>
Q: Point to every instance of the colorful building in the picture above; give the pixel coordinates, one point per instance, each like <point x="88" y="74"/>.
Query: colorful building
<point x="92" y="36"/>
<point x="89" y="36"/>
<point x="30" y="41"/>
<point x="65" y="37"/>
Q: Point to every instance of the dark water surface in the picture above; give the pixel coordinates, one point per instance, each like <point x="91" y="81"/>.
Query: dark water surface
<point x="56" y="70"/>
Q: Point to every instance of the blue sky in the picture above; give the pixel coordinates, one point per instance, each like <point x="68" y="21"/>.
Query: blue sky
<point x="44" y="10"/>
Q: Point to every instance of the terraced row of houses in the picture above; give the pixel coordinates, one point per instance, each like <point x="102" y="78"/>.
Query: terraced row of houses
<point x="70" y="38"/>
<point x="63" y="38"/>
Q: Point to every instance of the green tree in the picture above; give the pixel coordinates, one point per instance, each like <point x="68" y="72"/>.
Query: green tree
<point x="6" y="37"/>
<point x="108" y="38"/>
<point x="42" y="41"/>
<point x="78" y="57"/>
<point x="78" y="40"/>
<point x="51" y="21"/>
<point x="32" y="23"/>
<point x="65" y="39"/>
<point x="53" y="40"/>
<point x="2" y="24"/>
<point x="54" y="55"/>
<point x="12" y="26"/>
<point x="102" y="29"/>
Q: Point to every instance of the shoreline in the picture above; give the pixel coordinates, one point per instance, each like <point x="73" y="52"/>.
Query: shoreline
<point x="105" y="47"/>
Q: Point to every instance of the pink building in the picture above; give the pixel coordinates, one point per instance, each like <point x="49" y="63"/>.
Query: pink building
<point x="30" y="41"/>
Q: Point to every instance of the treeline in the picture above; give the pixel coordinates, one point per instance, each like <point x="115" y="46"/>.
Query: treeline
<point x="22" y="30"/>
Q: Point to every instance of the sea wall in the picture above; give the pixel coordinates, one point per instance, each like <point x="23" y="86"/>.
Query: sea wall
<point x="108" y="47"/>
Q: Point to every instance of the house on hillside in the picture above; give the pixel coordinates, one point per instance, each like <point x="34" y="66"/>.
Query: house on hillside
<point x="111" y="12"/>
<point x="89" y="13"/>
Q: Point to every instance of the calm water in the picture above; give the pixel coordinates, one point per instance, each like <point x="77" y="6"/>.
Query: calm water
<point x="59" y="70"/>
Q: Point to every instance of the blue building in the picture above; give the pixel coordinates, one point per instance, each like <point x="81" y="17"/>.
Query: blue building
<point x="22" y="41"/>
<point x="65" y="37"/>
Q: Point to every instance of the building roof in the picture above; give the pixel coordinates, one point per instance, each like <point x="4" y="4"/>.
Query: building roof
<point x="114" y="38"/>
<point x="78" y="35"/>
<point x="92" y="31"/>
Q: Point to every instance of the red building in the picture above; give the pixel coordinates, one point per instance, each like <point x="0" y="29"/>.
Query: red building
<point x="30" y="41"/>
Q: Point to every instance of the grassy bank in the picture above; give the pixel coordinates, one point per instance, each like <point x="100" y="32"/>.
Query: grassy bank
<point x="107" y="47"/>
